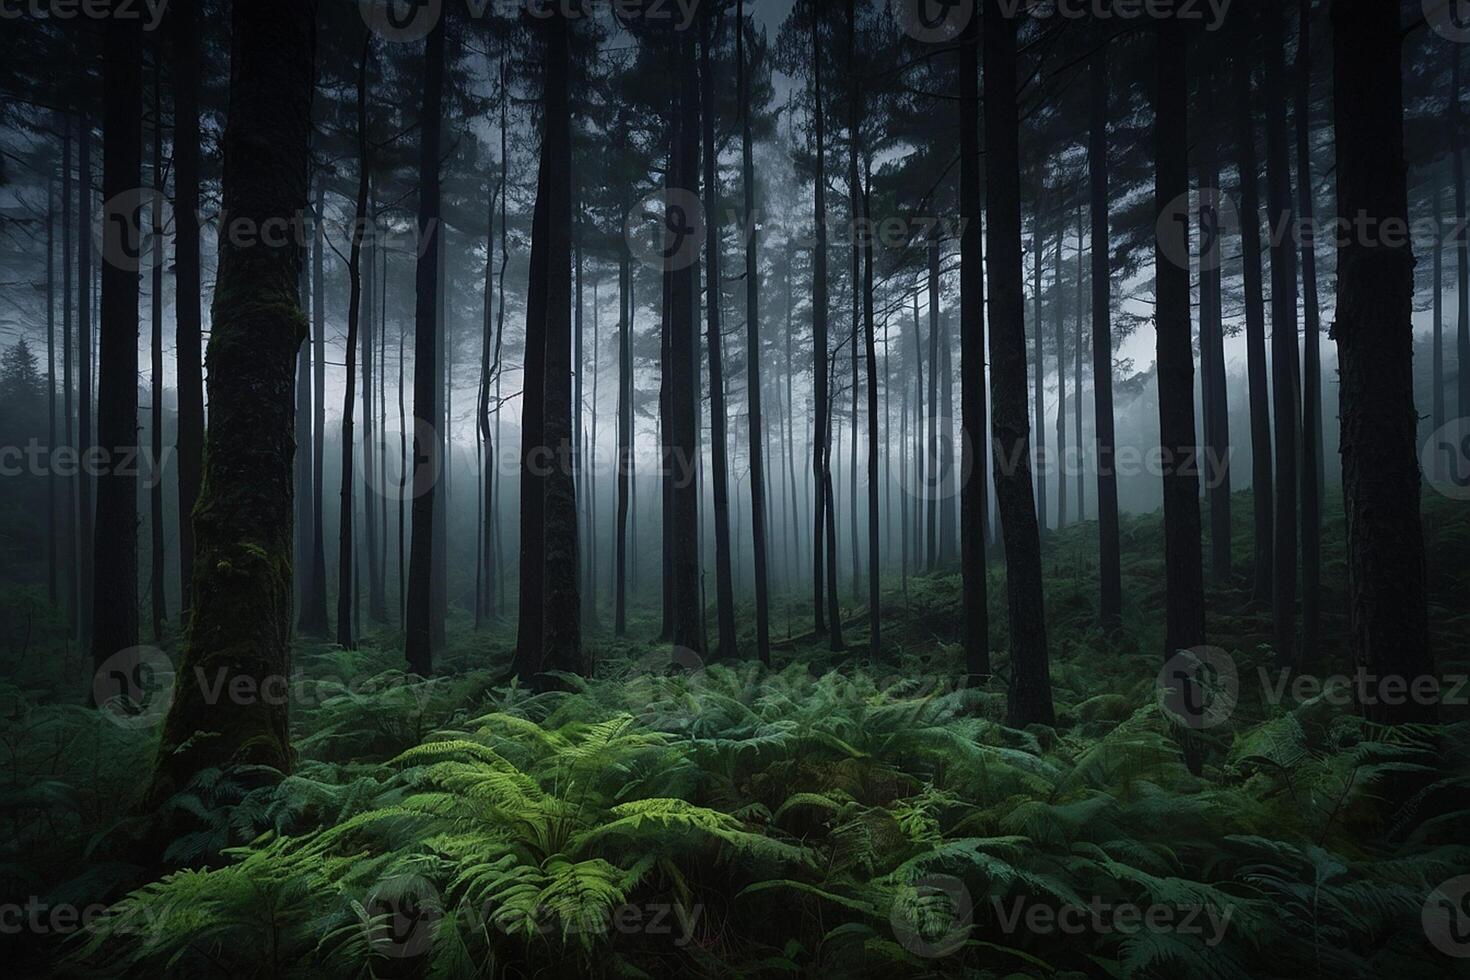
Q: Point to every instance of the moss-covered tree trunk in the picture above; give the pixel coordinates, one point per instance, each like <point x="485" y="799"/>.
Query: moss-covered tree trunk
<point x="239" y="632"/>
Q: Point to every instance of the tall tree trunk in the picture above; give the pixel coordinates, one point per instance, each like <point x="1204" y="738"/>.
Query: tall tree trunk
<point x="1030" y="684"/>
<point x="1438" y="417"/>
<point x="561" y="637"/>
<point x="371" y="432"/>
<point x="720" y="476"/>
<point x="240" y="626"/>
<point x="1184" y="610"/>
<point x="188" y="330"/>
<point x="157" y="590"/>
<point x="870" y="356"/>
<point x="1077" y="372"/>
<point x="976" y="637"/>
<point x="1311" y="367"/>
<point x="1258" y="390"/>
<point x="1216" y="407"/>
<point x="934" y="467"/>
<point x="53" y="535"/>
<point x="820" y="426"/>
<point x="753" y="352"/>
<point x="683" y="440"/>
<point x="115" y="573"/>
<point x="1110" y="573"/>
<point x="1286" y="400"/>
<point x="1375" y="342"/>
<point x="1038" y="246"/>
<point x="1462" y="241"/>
<point x="72" y="483"/>
<point x="345" y="566"/>
<point x="427" y="381"/>
<point x="625" y="446"/>
<point x="1061" y="338"/>
<point x="489" y="364"/>
<point x="920" y="483"/>
<point x="948" y="491"/>
<point x="86" y="443"/>
<point x="314" y="615"/>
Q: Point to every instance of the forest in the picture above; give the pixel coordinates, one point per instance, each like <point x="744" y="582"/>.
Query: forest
<point x="734" y="488"/>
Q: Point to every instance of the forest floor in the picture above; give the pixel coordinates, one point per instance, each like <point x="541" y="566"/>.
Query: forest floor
<point x="827" y="817"/>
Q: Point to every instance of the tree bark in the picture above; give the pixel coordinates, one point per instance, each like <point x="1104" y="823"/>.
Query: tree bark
<point x="314" y="615"/>
<point x="157" y="590"/>
<point x="820" y="426"/>
<point x="427" y="418"/>
<point x="1286" y="400"/>
<point x="1030" y="685"/>
<point x="1374" y="333"/>
<point x="1258" y="390"/>
<point x="115" y="572"/>
<point x="1184" y="610"/>
<point x="188" y="329"/>
<point x="1311" y="368"/>
<point x="240" y="626"/>
<point x="1110" y="574"/>
<point x="976" y="638"/>
<point x="1214" y="395"/>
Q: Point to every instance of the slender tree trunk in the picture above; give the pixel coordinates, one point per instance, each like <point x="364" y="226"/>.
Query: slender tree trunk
<point x="157" y="590"/>
<point x="53" y="536"/>
<point x="753" y="352"/>
<point x="948" y="490"/>
<point x="425" y="476"/>
<point x="1258" y="390"/>
<point x="875" y="606"/>
<point x="86" y="443"/>
<point x="1110" y="574"/>
<point x="240" y="626"/>
<point x="1061" y="334"/>
<point x="933" y="468"/>
<point x="115" y="573"/>
<point x="1039" y="374"/>
<point x="724" y="591"/>
<point x="484" y="538"/>
<point x="920" y="469"/>
<point x="1077" y="374"/>
<point x="1184" y="610"/>
<point x="625" y="448"/>
<point x="1216" y="408"/>
<point x="73" y="483"/>
<point x="1311" y="368"/>
<point x="314" y="615"/>
<point x="1286" y="401"/>
<point x="345" y="566"/>
<point x="1030" y="684"/>
<point x="1374" y="333"/>
<point x="683" y="440"/>
<point x="820" y="426"/>
<point x="1462" y="241"/>
<point x="976" y="637"/>
<point x="301" y="545"/>
<point x="1437" y="398"/>
<point x="188" y="330"/>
